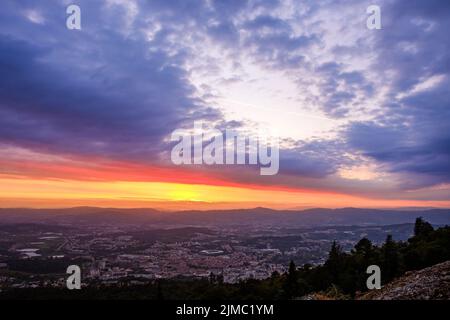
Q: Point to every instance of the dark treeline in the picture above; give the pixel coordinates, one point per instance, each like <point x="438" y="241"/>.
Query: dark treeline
<point x="341" y="276"/>
<point x="345" y="273"/>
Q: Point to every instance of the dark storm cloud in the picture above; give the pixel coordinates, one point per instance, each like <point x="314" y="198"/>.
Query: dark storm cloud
<point x="132" y="104"/>
<point x="419" y="146"/>
<point x="316" y="159"/>
<point x="103" y="91"/>
<point x="413" y="134"/>
<point x="116" y="98"/>
<point x="416" y="43"/>
<point x="112" y="90"/>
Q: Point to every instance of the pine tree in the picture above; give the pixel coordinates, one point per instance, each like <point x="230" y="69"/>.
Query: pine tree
<point x="422" y="228"/>
<point x="334" y="264"/>
<point x="390" y="264"/>
<point x="364" y="247"/>
<point x="291" y="285"/>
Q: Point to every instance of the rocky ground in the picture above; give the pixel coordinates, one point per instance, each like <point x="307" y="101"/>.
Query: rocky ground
<point x="431" y="283"/>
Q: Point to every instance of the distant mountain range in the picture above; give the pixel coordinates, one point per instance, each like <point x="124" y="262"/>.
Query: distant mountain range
<point x="243" y="217"/>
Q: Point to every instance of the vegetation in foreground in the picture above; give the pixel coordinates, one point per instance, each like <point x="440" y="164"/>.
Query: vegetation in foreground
<point x="341" y="277"/>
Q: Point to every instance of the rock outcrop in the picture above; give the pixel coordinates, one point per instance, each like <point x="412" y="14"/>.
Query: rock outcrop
<point x="431" y="283"/>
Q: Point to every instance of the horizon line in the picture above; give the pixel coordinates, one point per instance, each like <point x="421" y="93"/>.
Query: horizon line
<point x="230" y="209"/>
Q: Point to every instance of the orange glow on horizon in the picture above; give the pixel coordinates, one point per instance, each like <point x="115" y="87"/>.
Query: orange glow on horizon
<point x="39" y="180"/>
<point x="175" y="196"/>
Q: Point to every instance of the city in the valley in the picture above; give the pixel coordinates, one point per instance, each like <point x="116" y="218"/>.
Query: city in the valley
<point x="115" y="248"/>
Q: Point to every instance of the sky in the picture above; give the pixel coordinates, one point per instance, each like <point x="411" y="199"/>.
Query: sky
<point x="362" y="115"/>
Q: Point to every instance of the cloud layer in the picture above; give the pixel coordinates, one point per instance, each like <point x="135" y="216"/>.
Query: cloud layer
<point x="140" y="69"/>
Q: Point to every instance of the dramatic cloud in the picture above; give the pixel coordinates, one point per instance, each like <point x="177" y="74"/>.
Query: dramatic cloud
<point x="412" y="134"/>
<point x="355" y="107"/>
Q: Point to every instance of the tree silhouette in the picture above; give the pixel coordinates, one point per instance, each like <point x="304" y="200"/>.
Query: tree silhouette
<point x="422" y="228"/>
<point x="291" y="285"/>
<point x="390" y="262"/>
<point x="335" y="263"/>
